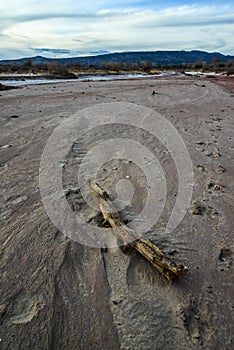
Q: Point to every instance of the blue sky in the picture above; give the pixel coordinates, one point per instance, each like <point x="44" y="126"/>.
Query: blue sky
<point x="66" y="28"/>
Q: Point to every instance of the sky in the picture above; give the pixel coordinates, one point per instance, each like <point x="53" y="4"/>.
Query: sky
<point x="69" y="28"/>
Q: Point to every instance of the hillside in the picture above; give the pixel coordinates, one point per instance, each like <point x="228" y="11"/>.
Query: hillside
<point x="154" y="57"/>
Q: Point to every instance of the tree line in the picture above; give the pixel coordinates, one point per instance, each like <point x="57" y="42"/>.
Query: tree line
<point x="56" y="69"/>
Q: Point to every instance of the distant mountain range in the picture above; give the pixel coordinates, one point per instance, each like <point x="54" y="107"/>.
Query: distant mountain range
<point x="154" y="57"/>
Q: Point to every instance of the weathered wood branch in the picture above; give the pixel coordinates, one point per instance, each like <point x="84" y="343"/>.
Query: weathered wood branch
<point x="169" y="269"/>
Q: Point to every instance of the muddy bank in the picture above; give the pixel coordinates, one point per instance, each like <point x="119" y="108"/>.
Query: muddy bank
<point x="57" y="294"/>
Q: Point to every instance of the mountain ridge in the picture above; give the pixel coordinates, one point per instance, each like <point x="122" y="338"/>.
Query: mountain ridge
<point x="176" y="57"/>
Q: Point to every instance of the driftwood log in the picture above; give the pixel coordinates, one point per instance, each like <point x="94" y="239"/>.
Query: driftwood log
<point x="169" y="269"/>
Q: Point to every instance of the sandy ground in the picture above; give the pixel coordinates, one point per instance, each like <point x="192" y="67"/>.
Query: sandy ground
<point x="57" y="294"/>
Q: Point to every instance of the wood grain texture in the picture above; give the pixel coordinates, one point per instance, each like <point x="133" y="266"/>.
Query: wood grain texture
<point x="169" y="269"/>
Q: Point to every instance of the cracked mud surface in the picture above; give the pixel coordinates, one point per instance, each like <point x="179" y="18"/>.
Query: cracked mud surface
<point x="57" y="294"/>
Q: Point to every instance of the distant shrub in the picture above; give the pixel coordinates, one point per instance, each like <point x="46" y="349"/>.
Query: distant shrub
<point x="56" y="70"/>
<point x="230" y="67"/>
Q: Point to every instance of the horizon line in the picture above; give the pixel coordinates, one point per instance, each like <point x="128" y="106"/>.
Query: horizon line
<point x="113" y="52"/>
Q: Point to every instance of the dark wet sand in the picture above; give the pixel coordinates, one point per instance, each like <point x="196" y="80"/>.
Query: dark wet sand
<point x="57" y="294"/>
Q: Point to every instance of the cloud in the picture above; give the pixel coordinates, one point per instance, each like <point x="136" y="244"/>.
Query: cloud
<point x="34" y="28"/>
<point x="185" y="16"/>
<point x="53" y="51"/>
<point x="99" y="52"/>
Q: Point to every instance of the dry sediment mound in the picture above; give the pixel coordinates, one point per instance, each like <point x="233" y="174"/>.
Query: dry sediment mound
<point x="58" y="294"/>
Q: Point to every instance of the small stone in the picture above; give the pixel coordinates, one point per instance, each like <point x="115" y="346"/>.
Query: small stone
<point x="224" y="253"/>
<point x="196" y="334"/>
<point x="6" y="146"/>
<point x="127" y="177"/>
<point x="172" y="252"/>
<point x="201" y="168"/>
<point x="198" y="208"/>
<point x="3" y="165"/>
<point x="16" y="199"/>
<point x="214" y="186"/>
<point x="221" y="169"/>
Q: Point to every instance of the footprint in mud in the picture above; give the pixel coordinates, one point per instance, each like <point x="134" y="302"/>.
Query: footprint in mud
<point x="225" y="258"/>
<point x="214" y="154"/>
<point x="211" y="212"/>
<point x="213" y="120"/>
<point x="197" y="321"/>
<point x="201" y="168"/>
<point x="21" y="309"/>
<point x="220" y="169"/>
<point x="214" y="187"/>
<point x="200" y="208"/>
<point x="208" y="150"/>
<point x="225" y="254"/>
<point x="215" y="124"/>
<point x="189" y="314"/>
<point x="202" y="146"/>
